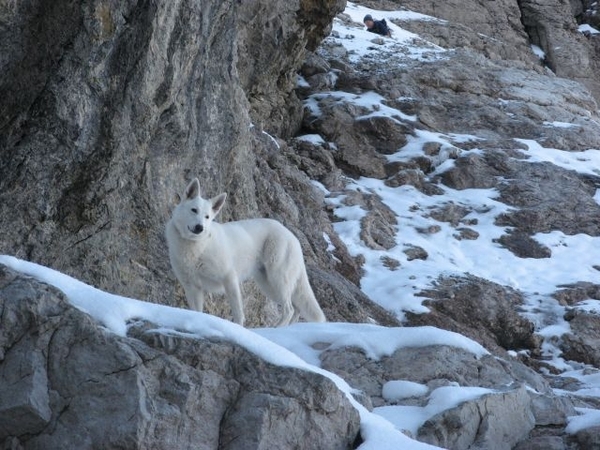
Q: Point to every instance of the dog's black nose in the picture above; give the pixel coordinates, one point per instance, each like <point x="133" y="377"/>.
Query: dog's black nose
<point x="198" y="229"/>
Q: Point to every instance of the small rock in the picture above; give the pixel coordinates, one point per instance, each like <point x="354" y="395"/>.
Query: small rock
<point x="390" y="263"/>
<point x="415" y="252"/>
<point x="466" y="233"/>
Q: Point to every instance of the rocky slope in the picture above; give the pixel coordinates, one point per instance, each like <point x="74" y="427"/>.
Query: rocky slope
<point x="391" y="161"/>
<point x="442" y="162"/>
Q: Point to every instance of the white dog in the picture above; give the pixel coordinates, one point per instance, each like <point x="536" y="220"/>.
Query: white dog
<point x="207" y="256"/>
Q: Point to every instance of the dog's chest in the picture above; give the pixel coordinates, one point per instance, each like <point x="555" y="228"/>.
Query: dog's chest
<point x="204" y="269"/>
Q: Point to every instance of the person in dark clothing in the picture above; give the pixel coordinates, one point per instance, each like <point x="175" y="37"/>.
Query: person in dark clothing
<point x="377" y="26"/>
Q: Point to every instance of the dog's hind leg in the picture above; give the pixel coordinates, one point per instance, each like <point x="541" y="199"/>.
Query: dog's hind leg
<point x="194" y="297"/>
<point x="234" y="295"/>
<point x="287" y="313"/>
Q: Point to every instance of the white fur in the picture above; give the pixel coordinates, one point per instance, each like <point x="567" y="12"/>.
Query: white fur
<point x="221" y="256"/>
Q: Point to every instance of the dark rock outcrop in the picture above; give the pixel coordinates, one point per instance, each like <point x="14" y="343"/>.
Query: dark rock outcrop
<point x="480" y="309"/>
<point x="83" y="387"/>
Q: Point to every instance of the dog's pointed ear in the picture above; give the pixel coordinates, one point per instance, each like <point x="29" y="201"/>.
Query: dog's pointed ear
<point x="176" y="199"/>
<point x="218" y="202"/>
<point x="193" y="189"/>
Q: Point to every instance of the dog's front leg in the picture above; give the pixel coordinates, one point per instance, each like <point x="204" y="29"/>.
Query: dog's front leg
<point x="194" y="297"/>
<point x="234" y="295"/>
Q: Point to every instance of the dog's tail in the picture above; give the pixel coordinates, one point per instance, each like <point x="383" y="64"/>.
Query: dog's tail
<point x="305" y="302"/>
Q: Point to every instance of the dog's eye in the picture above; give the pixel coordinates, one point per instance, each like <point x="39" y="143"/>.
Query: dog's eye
<point x="194" y="210"/>
<point x="206" y="216"/>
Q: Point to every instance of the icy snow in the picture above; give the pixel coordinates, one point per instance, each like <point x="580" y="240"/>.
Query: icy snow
<point x="315" y="139"/>
<point x="586" y="28"/>
<point x="395" y="390"/>
<point x="588" y="418"/>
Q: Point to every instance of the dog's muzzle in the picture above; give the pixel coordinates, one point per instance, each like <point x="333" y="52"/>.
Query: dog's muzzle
<point x="197" y="229"/>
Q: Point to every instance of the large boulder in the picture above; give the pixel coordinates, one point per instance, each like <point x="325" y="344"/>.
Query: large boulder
<point x="67" y="382"/>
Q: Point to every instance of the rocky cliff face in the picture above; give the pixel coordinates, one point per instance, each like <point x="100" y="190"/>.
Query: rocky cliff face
<point x="109" y="108"/>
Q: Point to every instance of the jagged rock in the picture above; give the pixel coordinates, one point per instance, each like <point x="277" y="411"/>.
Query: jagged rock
<point x="466" y="233"/>
<point x="86" y="387"/>
<point x="546" y="197"/>
<point x="523" y="245"/>
<point x="551" y="411"/>
<point x="504" y="30"/>
<point x="433" y="365"/>
<point x="413" y="177"/>
<point x="588" y="438"/>
<point x="413" y="252"/>
<point x="337" y="123"/>
<point x="542" y="443"/>
<point x="492" y="422"/>
<point x="451" y="213"/>
<point x="480" y="309"/>
<point x="378" y="226"/>
<point x="574" y="293"/>
<point x="582" y="343"/>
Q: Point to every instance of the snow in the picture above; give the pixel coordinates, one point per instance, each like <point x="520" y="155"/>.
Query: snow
<point x="411" y="418"/>
<point x="359" y="42"/>
<point x="585" y="28"/>
<point x="370" y="101"/>
<point x="395" y="390"/>
<point x="538" y="52"/>
<point x="587" y="418"/>
<point x="585" y="162"/>
<point x="315" y="139"/>
<point x="376" y="341"/>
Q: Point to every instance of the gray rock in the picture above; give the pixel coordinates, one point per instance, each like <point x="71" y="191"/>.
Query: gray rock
<point x="413" y="252"/>
<point x="574" y="293"/>
<point x="550" y="410"/>
<point x="542" y="443"/>
<point x="583" y="342"/>
<point x="492" y="422"/>
<point x="588" y="438"/>
<point x="86" y="387"/>
<point x="426" y="365"/>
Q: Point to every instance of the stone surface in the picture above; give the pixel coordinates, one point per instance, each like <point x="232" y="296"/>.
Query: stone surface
<point x="492" y="422"/>
<point x="582" y="343"/>
<point x="480" y="309"/>
<point x="435" y="365"/>
<point x="85" y="387"/>
<point x="588" y="438"/>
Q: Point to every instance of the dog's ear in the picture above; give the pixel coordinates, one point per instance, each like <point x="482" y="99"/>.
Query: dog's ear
<point x="193" y="189"/>
<point x="176" y="199"/>
<point x="217" y="202"/>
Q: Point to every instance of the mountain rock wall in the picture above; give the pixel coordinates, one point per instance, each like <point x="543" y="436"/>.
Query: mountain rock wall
<point x="109" y="108"/>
